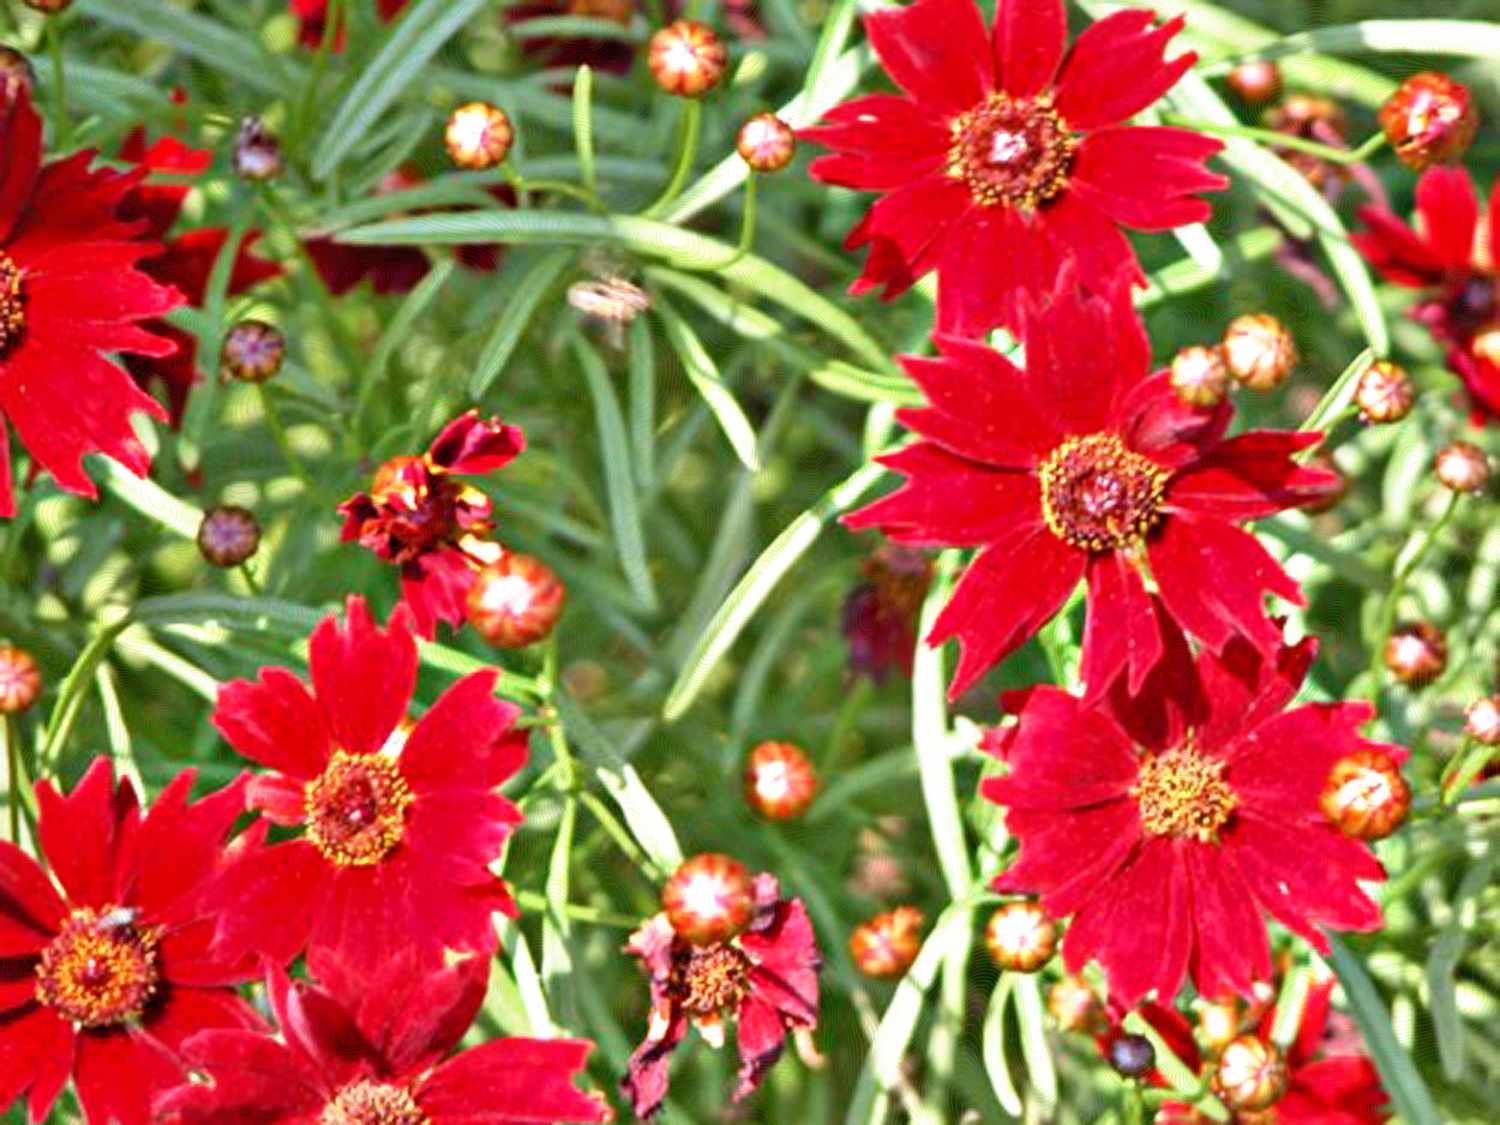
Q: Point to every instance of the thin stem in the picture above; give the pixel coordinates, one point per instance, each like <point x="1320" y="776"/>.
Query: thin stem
<point x="60" y="122"/>
<point x="530" y="900"/>
<point x="558" y="187"/>
<point x="1282" y="140"/>
<point x="283" y="441"/>
<point x="13" y="777"/>
<point x="687" y="152"/>
<point x="747" y="229"/>
<point x="1465" y="766"/>
<point x="1392" y="603"/>
<point x="618" y="833"/>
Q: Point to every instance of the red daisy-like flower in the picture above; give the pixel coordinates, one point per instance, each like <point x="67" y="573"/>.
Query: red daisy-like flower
<point x="766" y="979"/>
<point x="185" y="261"/>
<point x="1008" y="157"/>
<point x="880" y="614"/>
<point x="399" y="822"/>
<point x="435" y="528"/>
<point x="312" y="20"/>
<point x="106" y="973"/>
<point x="1165" y="826"/>
<point x="70" y="291"/>
<point x="1085" y="465"/>
<point x="363" y="1049"/>
<point x="1452" y="257"/>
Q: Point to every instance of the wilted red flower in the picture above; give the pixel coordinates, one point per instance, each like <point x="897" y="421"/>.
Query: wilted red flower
<point x="1451" y="257"/>
<point x="1084" y="465"/>
<point x="399" y="828"/>
<point x="312" y="20"/>
<point x="1166" y="825"/>
<point x="107" y="979"/>
<point x="766" y="980"/>
<point x="880" y="614"/>
<point x="185" y="261"/>
<point x="70" y="292"/>
<point x="435" y="528"/>
<point x="612" y="56"/>
<point x="364" y="1048"/>
<point x="1004" y="159"/>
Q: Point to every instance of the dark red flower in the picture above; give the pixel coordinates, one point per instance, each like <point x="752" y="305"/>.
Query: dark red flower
<point x="105" y="980"/>
<point x="70" y="291"/>
<point x="400" y="822"/>
<point x="185" y="261"/>
<point x="312" y="20"/>
<point x="1008" y="157"/>
<point x="1166" y="826"/>
<point x="880" y="614"/>
<point x="1451" y="257"/>
<point x="362" y="1048"/>
<point x="435" y="528"/>
<point x="766" y="980"/>
<point x="613" y="56"/>
<point x="1084" y="465"/>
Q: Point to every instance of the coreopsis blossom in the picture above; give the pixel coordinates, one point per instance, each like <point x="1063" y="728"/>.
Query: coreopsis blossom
<point x="362" y="1048"/>
<point x="765" y="979"/>
<point x="312" y="20"/>
<point x="1451" y="257"/>
<point x="398" y="826"/>
<point x="71" y="291"/>
<point x="185" y="261"/>
<point x="880" y="614"/>
<point x="1167" y="825"/>
<point x="1008" y="154"/>
<point x="106" y="964"/>
<point x="1083" y="465"/>
<point x="433" y="526"/>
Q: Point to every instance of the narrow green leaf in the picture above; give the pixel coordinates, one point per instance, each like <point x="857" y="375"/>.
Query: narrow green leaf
<point x="583" y="123"/>
<point x="1442" y="964"/>
<point x="150" y="499"/>
<point x="643" y="402"/>
<point x="992" y="1047"/>
<point x="703" y="373"/>
<point x="411" y="43"/>
<point x="407" y="315"/>
<point x="1187" y="275"/>
<point x="528" y="980"/>
<point x="1474" y="39"/>
<point x="624" y="512"/>
<point x="1034" y="1046"/>
<point x="530" y="290"/>
<point x="557" y="959"/>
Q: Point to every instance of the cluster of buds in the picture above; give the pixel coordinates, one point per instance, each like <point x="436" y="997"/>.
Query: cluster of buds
<point x="1384" y="393"/>
<point x="478" y="136"/>
<point x="1200" y="376"/>
<point x="687" y="58"/>
<point x="1021" y="937"/>
<point x="780" y="781"/>
<point x="1416" y="653"/>
<point x="228" y="535"/>
<point x="257" y="153"/>
<point x="1430" y="119"/>
<point x="1365" y="795"/>
<point x="20" y="680"/>
<point x="253" y="352"/>
<point x="1462" y="466"/>
<point x="888" y="943"/>
<point x="1259" y="351"/>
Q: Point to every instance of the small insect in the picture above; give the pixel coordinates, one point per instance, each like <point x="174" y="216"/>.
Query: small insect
<point x="612" y="301"/>
<point x="120" y="918"/>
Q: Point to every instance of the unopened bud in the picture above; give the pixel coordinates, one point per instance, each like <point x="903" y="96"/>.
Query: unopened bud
<point x="516" y="601"/>
<point x="257" y="154"/>
<point x="1132" y="1055"/>
<point x="780" y="782"/>
<point x="1384" y="393"/>
<point x="20" y="680"/>
<point x="1416" y="653"/>
<point x="888" y="943"/>
<point x="1256" y="82"/>
<point x="228" y="535"/>
<point x="253" y="352"/>
<point x="1219" y="1021"/>
<point x="1259" y="351"/>
<point x="766" y="143"/>
<point x="1482" y="720"/>
<point x="687" y="58"/>
<point x="1462" y="466"/>
<point x="1200" y="376"/>
<point x="709" y="899"/>
<point x="478" y="136"/>
<point x="1430" y="119"/>
<point x="1075" y="1007"/>
<point x="1251" y="1074"/>
<point x="1365" y="795"/>
<point x="1021" y="936"/>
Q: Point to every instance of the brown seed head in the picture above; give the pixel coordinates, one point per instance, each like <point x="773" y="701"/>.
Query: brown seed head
<point x="888" y="943"/>
<point x="253" y="352"/>
<point x="1365" y="795"/>
<point x="20" y="680"/>
<point x="1251" y="1074"/>
<point x="1021" y="937"/>
<point x="780" y="781"/>
<point x="228" y="535"/>
<point x="516" y="601"/>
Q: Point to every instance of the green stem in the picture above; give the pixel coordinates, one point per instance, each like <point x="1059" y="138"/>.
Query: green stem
<point x="1282" y="140"/>
<point x="1392" y="603"/>
<point x="60" y="123"/>
<point x="618" y="833"/>
<point x="747" y="229"/>
<point x="530" y="900"/>
<point x="558" y="187"/>
<point x="687" y="152"/>
<point x="1465" y="766"/>
<point x="283" y="441"/>
<point x="13" y="777"/>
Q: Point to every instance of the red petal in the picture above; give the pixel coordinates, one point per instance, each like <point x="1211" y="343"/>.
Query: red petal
<point x="465" y="741"/>
<point x="993" y="258"/>
<point x="1070" y="360"/>
<point x="435" y="587"/>
<point x="949" y="501"/>
<point x="1047" y="772"/>
<point x="1120" y="633"/>
<point x="26" y="894"/>
<point x="37" y="1050"/>
<point x="183" y="1012"/>
<point x="1450" y="212"/>
<point x="82" y="834"/>
<point x="1117" y="68"/>
<point x="255" y="1080"/>
<point x="785" y="952"/>
<point x="363" y="677"/>
<point x="901" y="227"/>
<point x="1029" y="39"/>
<point x="1307" y="876"/>
<point x="117" y="1075"/>
<point x="21" y="141"/>
<point x="179" y="845"/>
<point x="276" y="722"/>
<point x="268" y="898"/>
<point x="473" y="445"/>
<point x="520" y="1080"/>
<point x="1284" y="762"/>
<point x="1069" y="858"/>
<point x="883" y="142"/>
<point x="932" y="51"/>
<point x="1232" y="950"/>
<point x="281" y="799"/>
<point x="1146" y="177"/>
<point x="761" y="1037"/>
<point x="648" y="1073"/>
<point x="1251" y="476"/>
<point x="1396" y="251"/>
<point x="320" y="1027"/>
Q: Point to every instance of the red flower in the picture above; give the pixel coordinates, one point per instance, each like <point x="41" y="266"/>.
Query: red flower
<point x="766" y="979"/>
<point x="1004" y="159"/>
<point x="185" y="261"/>
<point x="106" y="980"/>
<point x="1167" y="826"/>
<point x="1085" y="466"/>
<point x="312" y="20"/>
<point x="435" y="528"/>
<point x="399" y="826"/>
<point x="376" y="1047"/>
<point x="70" y="292"/>
<point x="1452" y="257"/>
<point x="880" y="614"/>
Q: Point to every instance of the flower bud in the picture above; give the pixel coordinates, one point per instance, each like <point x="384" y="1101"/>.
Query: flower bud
<point x="1416" y="653"/>
<point x="1199" y="376"/>
<point x="16" y="75"/>
<point x="1251" y="1074"/>
<point x="780" y="783"/>
<point x="1075" y="1007"/>
<point x="478" y="136"/>
<point x="20" y="680"/>
<point x="1462" y="466"/>
<point x="1219" y="1021"/>
<point x="888" y="943"/>
<point x="687" y="58"/>
<point x="1365" y="795"/>
<point x="1256" y="82"/>
<point x="1259" y="351"/>
<point x="51" y="7"/>
<point x="1482" y="720"/>
<point x="1384" y="392"/>
<point x="766" y="143"/>
<point x="1021" y="936"/>
<point x="257" y="154"/>
<point x="253" y="352"/>
<point x="709" y="899"/>
<point x="1430" y="119"/>
<point x="1132" y="1055"/>
<point x="515" y="601"/>
<point x="228" y="535"/>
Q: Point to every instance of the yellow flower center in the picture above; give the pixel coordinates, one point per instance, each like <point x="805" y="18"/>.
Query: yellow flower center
<point x="12" y="310"/>
<point x="714" y="978"/>
<point x="356" y="808"/>
<point x="372" y="1103"/>
<point x="101" y="969"/>
<point x="1183" y="793"/>
<point x="1098" y="495"/>
<point x="1012" y="152"/>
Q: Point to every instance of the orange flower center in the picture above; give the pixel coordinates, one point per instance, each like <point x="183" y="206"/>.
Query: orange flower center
<point x="372" y="1103"/>
<point x="12" y="310"/>
<point x="356" y="809"/>
<point x="1183" y="793"/>
<point x="714" y="978"/>
<point x="1098" y="495"/>
<point x="100" y="970"/>
<point x="1014" y="152"/>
